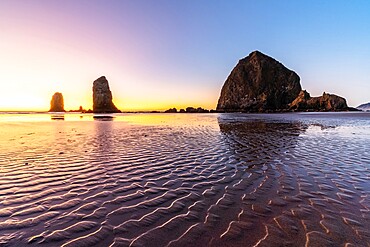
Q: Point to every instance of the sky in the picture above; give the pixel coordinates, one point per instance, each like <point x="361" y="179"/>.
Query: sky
<point x="164" y="53"/>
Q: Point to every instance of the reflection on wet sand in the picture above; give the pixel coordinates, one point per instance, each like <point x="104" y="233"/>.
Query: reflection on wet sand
<point x="297" y="192"/>
<point x="187" y="180"/>
<point x="254" y="149"/>
<point x="57" y="117"/>
<point x="103" y="117"/>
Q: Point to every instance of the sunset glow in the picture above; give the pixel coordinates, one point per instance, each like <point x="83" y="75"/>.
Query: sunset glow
<point x="158" y="55"/>
<point x="184" y="123"/>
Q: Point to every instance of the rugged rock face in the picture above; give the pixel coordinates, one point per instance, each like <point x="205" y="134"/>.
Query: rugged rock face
<point x="301" y="101"/>
<point x="57" y="103"/>
<point x="259" y="83"/>
<point x="326" y="102"/>
<point x="102" y="97"/>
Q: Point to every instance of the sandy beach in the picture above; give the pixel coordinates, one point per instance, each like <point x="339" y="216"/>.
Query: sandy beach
<point x="185" y="180"/>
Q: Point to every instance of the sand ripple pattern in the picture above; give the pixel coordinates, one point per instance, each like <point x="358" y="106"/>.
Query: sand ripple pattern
<point x="218" y="180"/>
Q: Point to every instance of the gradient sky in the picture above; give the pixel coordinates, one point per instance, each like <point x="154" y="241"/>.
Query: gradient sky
<point x="160" y="54"/>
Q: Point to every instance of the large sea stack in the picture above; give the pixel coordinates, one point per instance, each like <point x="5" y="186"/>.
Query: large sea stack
<point x="102" y="97"/>
<point x="57" y="103"/>
<point x="259" y="83"/>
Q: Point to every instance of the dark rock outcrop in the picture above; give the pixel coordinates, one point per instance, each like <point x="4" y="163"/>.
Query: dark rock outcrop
<point x="364" y="107"/>
<point x="57" y="103"/>
<point x="326" y="102"/>
<point x="188" y="110"/>
<point x="102" y="97"/>
<point x="171" y="110"/>
<point x="258" y="83"/>
<point x="196" y="110"/>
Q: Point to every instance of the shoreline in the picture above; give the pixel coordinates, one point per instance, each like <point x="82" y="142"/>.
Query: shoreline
<point x="186" y="179"/>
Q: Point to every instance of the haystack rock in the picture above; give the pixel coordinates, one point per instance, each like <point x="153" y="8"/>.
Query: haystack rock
<point x="102" y="97"/>
<point x="326" y="102"/>
<point x="259" y="83"/>
<point x="57" y="103"/>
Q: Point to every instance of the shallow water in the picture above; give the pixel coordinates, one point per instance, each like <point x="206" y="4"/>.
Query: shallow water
<point x="185" y="180"/>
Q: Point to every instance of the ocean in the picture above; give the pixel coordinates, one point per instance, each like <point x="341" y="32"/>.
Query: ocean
<point x="292" y="179"/>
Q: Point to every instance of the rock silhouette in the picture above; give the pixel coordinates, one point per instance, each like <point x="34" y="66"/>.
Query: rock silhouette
<point x="195" y="110"/>
<point x="102" y="97"/>
<point x="188" y="110"/>
<point x="57" y="103"/>
<point x="171" y="110"/>
<point x="258" y="83"/>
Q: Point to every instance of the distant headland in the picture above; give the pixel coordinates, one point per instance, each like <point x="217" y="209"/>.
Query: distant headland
<point x="258" y="83"/>
<point x="364" y="107"/>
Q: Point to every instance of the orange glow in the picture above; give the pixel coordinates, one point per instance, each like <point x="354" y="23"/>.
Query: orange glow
<point x="47" y="54"/>
<point x="30" y="85"/>
<point x="162" y="102"/>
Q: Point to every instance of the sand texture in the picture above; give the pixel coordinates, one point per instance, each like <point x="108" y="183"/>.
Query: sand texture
<point x="185" y="180"/>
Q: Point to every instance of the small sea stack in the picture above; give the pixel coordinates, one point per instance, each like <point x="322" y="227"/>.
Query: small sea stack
<point x="57" y="103"/>
<point x="102" y="97"/>
<point x="326" y="102"/>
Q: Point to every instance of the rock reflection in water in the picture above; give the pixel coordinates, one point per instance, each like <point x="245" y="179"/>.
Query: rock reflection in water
<point x="256" y="142"/>
<point x="103" y="117"/>
<point x="297" y="192"/>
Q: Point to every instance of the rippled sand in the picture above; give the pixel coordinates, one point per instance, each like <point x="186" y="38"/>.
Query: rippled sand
<point x="185" y="180"/>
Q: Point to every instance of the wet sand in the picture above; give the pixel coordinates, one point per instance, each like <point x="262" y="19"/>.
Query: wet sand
<point x="185" y="180"/>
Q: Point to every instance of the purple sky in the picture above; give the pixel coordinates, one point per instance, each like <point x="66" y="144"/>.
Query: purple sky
<point x="161" y="54"/>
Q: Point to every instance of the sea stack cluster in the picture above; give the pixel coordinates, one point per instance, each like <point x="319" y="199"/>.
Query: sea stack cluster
<point x="259" y="83"/>
<point x="102" y="99"/>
